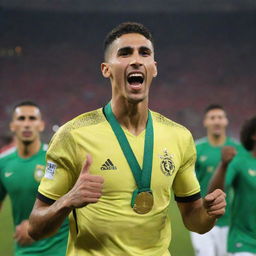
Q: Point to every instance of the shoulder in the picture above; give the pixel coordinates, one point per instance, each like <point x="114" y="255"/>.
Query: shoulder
<point x="201" y="141"/>
<point x="87" y="119"/>
<point x="169" y="124"/>
<point x="64" y="133"/>
<point x="234" y="141"/>
<point x="8" y="154"/>
<point x="240" y="159"/>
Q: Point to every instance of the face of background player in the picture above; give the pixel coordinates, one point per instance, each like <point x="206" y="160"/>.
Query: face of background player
<point x="130" y="66"/>
<point x="215" y="122"/>
<point x="27" y="124"/>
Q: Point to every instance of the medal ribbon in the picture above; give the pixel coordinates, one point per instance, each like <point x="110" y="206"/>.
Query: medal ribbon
<point x="141" y="176"/>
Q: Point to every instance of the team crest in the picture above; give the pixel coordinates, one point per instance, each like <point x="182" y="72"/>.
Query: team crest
<point x="203" y="158"/>
<point x="252" y="172"/>
<point x="39" y="172"/>
<point x="167" y="164"/>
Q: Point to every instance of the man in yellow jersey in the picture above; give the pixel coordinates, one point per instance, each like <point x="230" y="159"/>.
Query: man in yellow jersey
<point x="117" y="199"/>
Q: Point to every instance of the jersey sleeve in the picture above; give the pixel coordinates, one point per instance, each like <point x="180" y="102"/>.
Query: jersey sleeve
<point x="185" y="186"/>
<point x="61" y="171"/>
<point x="2" y="188"/>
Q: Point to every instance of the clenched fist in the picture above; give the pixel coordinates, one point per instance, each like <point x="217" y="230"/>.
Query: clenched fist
<point x="227" y="154"/>
<point x="215" y="203"/>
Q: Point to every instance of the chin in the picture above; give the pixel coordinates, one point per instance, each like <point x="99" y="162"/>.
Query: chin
<point x="27" y="141"/>
<point x="136" y="99"/>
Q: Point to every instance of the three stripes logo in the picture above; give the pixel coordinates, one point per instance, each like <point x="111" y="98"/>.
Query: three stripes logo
<point x="108" y="165"/>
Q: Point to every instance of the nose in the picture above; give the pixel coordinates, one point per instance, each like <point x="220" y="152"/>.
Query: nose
<point x="27" y="122"/>
<point x="136" y="60"/>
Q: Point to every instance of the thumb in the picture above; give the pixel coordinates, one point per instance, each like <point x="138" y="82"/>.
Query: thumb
<point x="87" y="164"/>
<point x="209" y="198"/>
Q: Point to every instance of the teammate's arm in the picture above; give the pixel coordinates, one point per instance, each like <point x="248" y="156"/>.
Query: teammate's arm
<point x="218" y="179"/>
<point x="46" y="219"/>
<point x="200" y="215"/>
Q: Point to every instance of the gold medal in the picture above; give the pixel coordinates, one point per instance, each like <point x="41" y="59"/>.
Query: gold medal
<point x="143" y="202"/>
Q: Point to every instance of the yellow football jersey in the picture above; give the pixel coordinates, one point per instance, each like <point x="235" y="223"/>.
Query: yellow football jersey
<point x="110" y="227"/>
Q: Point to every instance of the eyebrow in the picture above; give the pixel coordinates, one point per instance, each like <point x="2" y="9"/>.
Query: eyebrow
<point x="129" y="49"/>
<point x="145" y="48"/>
<point x="22" y="117"/>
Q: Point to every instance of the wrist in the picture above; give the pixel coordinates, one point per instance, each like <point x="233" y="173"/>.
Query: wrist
<point x="224" y="165"/>
<point x="65" y="204"/>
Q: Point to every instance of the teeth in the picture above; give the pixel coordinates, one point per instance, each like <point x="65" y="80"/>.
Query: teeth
<point x="135" y="74"/>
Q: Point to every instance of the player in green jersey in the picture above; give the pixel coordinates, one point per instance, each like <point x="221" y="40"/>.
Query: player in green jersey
<point x="118" y="203"/>
<point x="240" y="174"/>
<point x="213" y="243"/>
<point x="21" y="170"/>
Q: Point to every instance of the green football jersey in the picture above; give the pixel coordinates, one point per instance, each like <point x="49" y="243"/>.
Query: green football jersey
<point x="241" y="176"/>
<point x="208" y="158"/>
<point x="19" y="178"/>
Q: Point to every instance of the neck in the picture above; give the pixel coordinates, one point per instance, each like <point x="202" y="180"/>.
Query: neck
<point x="217" y="140"/>
<point x="132" y="116"/>
<point x="26" y="150"/>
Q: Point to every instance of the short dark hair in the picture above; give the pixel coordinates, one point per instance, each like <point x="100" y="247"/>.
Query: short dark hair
<point x="126" y="28"/>
<point x="213" y="106"/>
<point x="247" y="131"/>
<point x="25" y="103"/>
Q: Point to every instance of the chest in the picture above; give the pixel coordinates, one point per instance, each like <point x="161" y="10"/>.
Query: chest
<point x="18" y="176"/>
<point x="246" y="180"/>
<point x="110" y="162"/>
<point x="208" y="159"/>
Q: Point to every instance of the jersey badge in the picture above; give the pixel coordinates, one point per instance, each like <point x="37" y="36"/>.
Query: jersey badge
<point x="167" y="164"/>
<point x="210" y="169"/>
<point x="50" y="170"/>
<point x="39" y="172"/>
<point x="252" y="172"/>
<point x="8" y="174"/>
<point x="203" y="158"/>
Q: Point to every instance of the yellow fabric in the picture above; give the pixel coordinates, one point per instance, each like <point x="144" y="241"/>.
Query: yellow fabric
<point x="111" y="227"/>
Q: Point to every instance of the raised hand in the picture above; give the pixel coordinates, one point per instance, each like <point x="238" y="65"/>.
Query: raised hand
<point x="227" y="154"/>
<point x="215" y="203"/>
<point x="87" y="189"/>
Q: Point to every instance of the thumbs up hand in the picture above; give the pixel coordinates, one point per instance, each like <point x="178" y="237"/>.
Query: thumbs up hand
<point x="87" y="189"/>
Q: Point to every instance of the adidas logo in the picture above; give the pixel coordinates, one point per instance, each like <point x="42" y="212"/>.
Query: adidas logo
<point x="108" y="165"/>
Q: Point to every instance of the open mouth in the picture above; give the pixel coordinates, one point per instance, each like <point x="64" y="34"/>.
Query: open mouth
<point x="27" y="133"/>
<point x="135" y="78"/>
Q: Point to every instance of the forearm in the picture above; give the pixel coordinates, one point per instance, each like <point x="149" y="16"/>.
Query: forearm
<point x="199" y="221"/>
<point x="218" y="179"/>
<point x="45" y="220"/>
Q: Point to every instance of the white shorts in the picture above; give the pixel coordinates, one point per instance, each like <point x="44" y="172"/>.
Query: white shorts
<point x="242" y="254"/>
<point x="212" y="243"/>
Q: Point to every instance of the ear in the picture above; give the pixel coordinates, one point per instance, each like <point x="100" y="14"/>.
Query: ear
<point x="155" y="72"/>
<point x="11" y="126"/>
<point x="42" y="126"/>
<point x="227" y="121"/>
<point x="204" y="122"/>
<point x="105" y="69"/>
